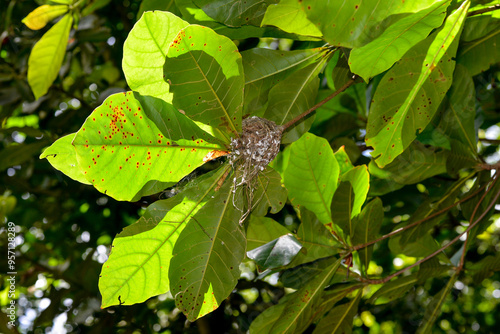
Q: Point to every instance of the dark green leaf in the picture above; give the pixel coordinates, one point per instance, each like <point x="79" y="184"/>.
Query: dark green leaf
<point x="339" y="319"/>
<point x="235" y="13"/>
<point x="341" y="208"/>
<point x="270" y="193"/>
<point x="393" y="290"/>
<point x="262" y="230"/>
<point x="480" y="54"/>
<point x="277" y="253"/>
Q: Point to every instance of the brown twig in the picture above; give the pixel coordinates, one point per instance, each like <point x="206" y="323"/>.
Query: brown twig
<point x="484" y="10"/>
<point x="319" y="104"/>
<point x="388" y="278"/>
<point x="490" y="141"/>
<point x="357" y="247"/>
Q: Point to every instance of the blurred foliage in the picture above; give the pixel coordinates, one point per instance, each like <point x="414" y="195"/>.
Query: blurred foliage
<point x="64" y="229"/>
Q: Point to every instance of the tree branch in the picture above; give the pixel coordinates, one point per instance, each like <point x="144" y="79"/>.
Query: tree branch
<point x="491" y="205"/>
<point x="319" y="104"/>
<point x="484" y="10"/>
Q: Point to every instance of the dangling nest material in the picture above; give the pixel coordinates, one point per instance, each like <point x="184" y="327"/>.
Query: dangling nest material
<point x="251" y="153"/>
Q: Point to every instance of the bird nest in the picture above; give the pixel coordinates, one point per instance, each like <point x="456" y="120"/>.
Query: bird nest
<point x="257" y="146"/>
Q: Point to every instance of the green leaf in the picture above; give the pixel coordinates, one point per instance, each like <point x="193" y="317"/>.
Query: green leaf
<point x="300" y="308"/>
<point x="144" y="53"/>
<point x="235" y="13"/>
<point x="343" y="160"/>
<point x="47" y="56"/>
<point x="352" y="24"/>
<point x="139" y="262"/>
<point x="276" y="253"/>
<point x="264" y="68"/>
<point x="289" y="16"/>
<point x="270" y="193"/>
<point x="480" y="54"/>
<point x="415" y="164"/>
<point x="339" y="319"/>
<point x="206" y="257"/>
<point x="311" y="176"/>
<point x="485" y="268"/>
<point x="426" y="73"/>
<point x="460" y="157"/>
<point x="393" y="290"/>
<point x="432" y="268"/>
<point x="17" y="154"/>
<point x="264" y="322"/>
<point x="457" y="121"/>
<point x="206" y="77"/>
<point x="341" y="207"/>
<point x="367" y="228"/>
<point x="62" y="156"/>
<point x="42" y="15"/>
<point x="478" y="26"/>
<point x="381" y="53"/>
<point x="291" y="97"/>
<point x="120" y="147"/>
<point x="262" y="230"/>
<point x="160" y="5"/>
<point x="434" y="308"/>
<point x="360" y="182"/>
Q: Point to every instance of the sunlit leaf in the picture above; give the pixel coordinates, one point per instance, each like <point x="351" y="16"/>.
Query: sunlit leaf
<point x="426" y="70"/>
<point x="144" y="52"/>
<point x="300" y="308"/>
<point x="62" y="156"/>
<point x="367" y="229"/>
<point x="206" y="257"/>
<point x="289" y="16"/>
<point x="206" y="77"/>
<point x="381" y="53"/>
<point x="276" y="253"/>
<point x="120" y="147"/>
<point x="42" y="15"/>
<point x="339" y="319"/>
<point x="343" y="160"/>
<point x="235" y="13"/>
<point x="291" y="97"/>
<point x="137" y="268"/>
<point x="434" y="308"/>
<point x="311" y="176"/>
<point x="47" y="56"/>
<point x="360" y="182"/>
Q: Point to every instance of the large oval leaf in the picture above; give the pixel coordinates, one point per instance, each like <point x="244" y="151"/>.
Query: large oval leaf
<point x="120" y="148"/>
<point x="144" y="52"/>
<point x="47" y="56"/>
<point x="205" y="74"/>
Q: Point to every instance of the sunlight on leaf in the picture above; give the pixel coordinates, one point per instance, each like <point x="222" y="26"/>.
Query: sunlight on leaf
<point x="42" y="15"/>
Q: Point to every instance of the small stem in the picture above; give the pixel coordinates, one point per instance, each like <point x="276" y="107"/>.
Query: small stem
<point x="484" y="10"/>
<point x="492" y="203"/>
<point x="357" y="247"/>
<point x="319" y="104"/>
<point x="490" y="141"/>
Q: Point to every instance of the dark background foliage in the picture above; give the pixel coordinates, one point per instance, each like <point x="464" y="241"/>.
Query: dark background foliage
<point x="65" y="228"/>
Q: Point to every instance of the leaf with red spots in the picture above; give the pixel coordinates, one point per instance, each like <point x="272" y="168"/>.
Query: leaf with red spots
<point x="235" y="13"/>
<point x="129" y="142"/>
<point x="206" y="257"/>
<point x="138" y="265"/>
<point x="62" y="156"/>
<point x="144" y="52"/>
<point x="415" y="87"/>
<point x="205" y="74"/>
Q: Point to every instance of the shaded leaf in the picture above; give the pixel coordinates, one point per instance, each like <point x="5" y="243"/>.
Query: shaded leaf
<point x="139" y="262"/>
<point x="421" y="248"/>
<point x="486" y="267"/>
<point x="17" y="154"/>
<point x="120" y="148"/>
<point x="264" y="68"/>
<point x="262" y="230"/>
<point x="289" y="16"/>
<point x="434" y="308"/>
<point x="47" y="56"/>
<point x="264" y="322"/>
<point x="426" y="73"/>
<point x="339" y="319"/>
<point x="276" y="253"/>
<point x="235" y="13"/>
<point x="431" y="268"/>
<point x="205" y="73"/>
<point x="381" y="53"/>
<point x="480" y="54"/>
<point x="367" y="228"/>
<point x="291" y="97"/>
<point x="270" y="193"/>
<point x="460" y="157"/>
<point x="478" y="26"/>
<point x="341" y="208"/>
<point x="151" y="5"/>
<point x="144" y="53"/>
<point x="311" y="176"/>
<point x="393" y="290"/>
<point x="415" y="164"/>
<point x="206" y="257"/>
<point x="42" y="15"/>
<point x="62" y="156"/>
<point x="300" y="308"/>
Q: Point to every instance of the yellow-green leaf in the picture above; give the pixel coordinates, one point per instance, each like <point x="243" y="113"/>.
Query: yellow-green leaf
<point x="42" y="15"/>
